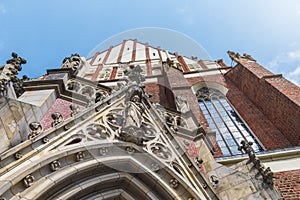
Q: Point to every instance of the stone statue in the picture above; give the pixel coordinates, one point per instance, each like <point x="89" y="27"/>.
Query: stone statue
<point x="237" y="57"/>
<point x="16" y="61"/>
<point x="268" y="176"/>
<point x="134" y="75"/>
<point x="71" y="62"/>
<point x="9" y="73"/>
<point x="182" y="104"/>
<point x="247" y="148"/>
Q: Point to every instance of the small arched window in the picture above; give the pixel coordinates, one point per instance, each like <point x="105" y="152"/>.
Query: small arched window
<point x="222" y="118"/>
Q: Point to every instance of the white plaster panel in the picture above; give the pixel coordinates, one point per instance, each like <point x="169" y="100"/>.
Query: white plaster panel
<point x="113" y="56"/>
<point x="153" y="53"/>
<point x="202" y="74"/>
<point x="99" y="59"/>
<point x="284" y="165"/>
<point x="211" y="65"/>
<point x="163" y="55"/>
<point x="140" y="52"/>
<point x="189" y="61"/>
<point x="127" y="53"/>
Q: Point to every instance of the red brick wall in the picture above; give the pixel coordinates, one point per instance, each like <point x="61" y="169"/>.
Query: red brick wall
<point x="153" y="88"/>
<point x="267" y="133"/>
<point x="264" y="129"/>
<point x="288" y="184"/>
<point x="277" y="98"/>
<point x="61" y="106"/>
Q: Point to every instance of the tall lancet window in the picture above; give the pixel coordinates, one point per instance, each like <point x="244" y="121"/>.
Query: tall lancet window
<point x="222" y="118"/>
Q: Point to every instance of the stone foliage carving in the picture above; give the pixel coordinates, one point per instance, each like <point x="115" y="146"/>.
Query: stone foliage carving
<point x="80" y="156"/>
<point x="103" y="151"/>
<point x="36" y="129"/>
<point x="174" y="122"/>
<point x="28" y="180"/>
<point x="174" y="183"/>
<point x="55" y="165"/>
<point x="247" y="148"/>
<point x="75" y="109"/>
<point x="18" y="155"/>
<point x="57" y="118"/>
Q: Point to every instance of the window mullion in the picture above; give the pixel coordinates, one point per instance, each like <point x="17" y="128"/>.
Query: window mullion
<point x="214" y="105"/>
<point x="217" y="127"/>
<point x="232" y="121"/>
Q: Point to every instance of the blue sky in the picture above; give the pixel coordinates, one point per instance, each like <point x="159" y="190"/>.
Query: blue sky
<point x="44" y="32"/>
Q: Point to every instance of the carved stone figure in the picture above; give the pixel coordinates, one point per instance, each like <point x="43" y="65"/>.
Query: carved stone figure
<point x="247" y="148"/>
<point x="71" y="62"/>
<point x="268" y="176"/>
<point x="134" y="75"/>
<point x="237" y="57"/>
<point x="182" y="104"/>
<point x="16" y="61"/>
<point x="9" y="73"/>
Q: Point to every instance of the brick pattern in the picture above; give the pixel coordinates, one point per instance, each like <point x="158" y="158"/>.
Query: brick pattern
<point x="153" y="88"/>
<point x="288" y="184"/>
<point x="61" y="106"/>
<point x="276" y="97"/>
<point x="267" y="133"/>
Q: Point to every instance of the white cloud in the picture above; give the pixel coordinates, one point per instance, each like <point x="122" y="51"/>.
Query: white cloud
<point x="2" y="9"/>
<point x="296" y="72"/>
<point x="294" y="76"/>
<point x="294" y="55"/>
<point x="287" y="64"/>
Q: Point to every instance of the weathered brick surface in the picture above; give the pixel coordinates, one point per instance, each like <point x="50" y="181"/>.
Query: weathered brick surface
<point x="153" y="88"/>
<point x="61" y="106"/>
<point x="263" y="129"/>
<point x="267" y="133"/>
<point x="288" y="184"/>
<point x="276" y="97"/>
